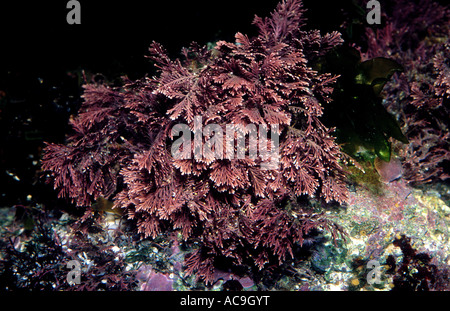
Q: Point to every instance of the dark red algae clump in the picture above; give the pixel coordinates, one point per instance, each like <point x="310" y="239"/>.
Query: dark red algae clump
<point x="241" y="211"/>
<point x="416" y="272"/>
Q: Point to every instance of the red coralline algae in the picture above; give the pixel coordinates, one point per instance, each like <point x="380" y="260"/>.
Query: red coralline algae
<point x="236" y="209"/>
<point x="415" y="34"/>
<point x="416" y="272"/>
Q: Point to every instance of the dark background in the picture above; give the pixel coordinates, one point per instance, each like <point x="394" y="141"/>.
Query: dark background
<point x="114" y="35"/>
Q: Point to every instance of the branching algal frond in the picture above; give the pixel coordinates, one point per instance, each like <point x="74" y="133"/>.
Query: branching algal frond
<point x="235" y="208"/>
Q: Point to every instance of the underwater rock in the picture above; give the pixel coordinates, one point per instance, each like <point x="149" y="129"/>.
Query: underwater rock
<point x="389" y="171"/>
<point x="321" y="259"/>
<point x="374" y="222"/>
<point x="153" y="281"/>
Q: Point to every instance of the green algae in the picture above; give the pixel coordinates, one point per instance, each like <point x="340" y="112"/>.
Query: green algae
<point x="363" y="125"/>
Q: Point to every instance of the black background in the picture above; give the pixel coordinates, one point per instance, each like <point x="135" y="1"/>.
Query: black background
<point x="115" y="35"/>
